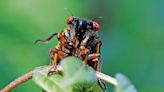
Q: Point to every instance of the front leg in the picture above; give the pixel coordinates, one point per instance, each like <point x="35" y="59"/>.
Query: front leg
<point x="54" y="59"/>
<point x="48" y="39"/>
<point x="93" y="58"/>
<point x="56" y="55"/>
<point x="94" y="61"/>
<point x="97" y="64"/>
<point x="83" y="51"/>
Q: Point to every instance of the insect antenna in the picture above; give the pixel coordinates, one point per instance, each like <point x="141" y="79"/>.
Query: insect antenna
<point x="100" y="17"/>
<point x="69" y="11"/>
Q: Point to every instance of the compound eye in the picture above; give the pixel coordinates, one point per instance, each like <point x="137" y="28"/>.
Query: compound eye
<point x="95" y="26"/>
<point x="69" y="20"/>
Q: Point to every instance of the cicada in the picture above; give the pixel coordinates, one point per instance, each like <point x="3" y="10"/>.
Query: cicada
<point x="78" y="39"/>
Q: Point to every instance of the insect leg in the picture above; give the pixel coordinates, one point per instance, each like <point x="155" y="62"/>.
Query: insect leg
<point x="54" y="58"/>
<point x="98" y="51"/>
<point x="91" y="57"/>
<point x="48" y="39"/>
<point x="95" y="63"/>
<point x="83" y="51"/>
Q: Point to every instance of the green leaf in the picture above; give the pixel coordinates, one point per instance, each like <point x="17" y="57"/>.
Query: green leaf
<point x="75" y="77"/>
<point x="124" y="85"/>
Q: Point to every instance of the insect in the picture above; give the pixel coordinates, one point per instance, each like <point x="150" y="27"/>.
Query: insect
<point x="79" y="39"/>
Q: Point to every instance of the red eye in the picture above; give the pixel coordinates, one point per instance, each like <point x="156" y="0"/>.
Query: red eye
<point x="95" y="26"/>
<point x="69" y="20"/>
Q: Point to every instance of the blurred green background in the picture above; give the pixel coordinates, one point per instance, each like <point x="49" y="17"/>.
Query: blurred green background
<point x="132" y="32"/>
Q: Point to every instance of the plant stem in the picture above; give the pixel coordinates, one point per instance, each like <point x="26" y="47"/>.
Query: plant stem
<point x="17" y="82"/>
<point x="28" y="76"/>
<point x="106" y="78"/>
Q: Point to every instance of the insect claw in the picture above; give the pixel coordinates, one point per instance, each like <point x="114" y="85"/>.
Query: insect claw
<point x="52" y="70"/>
<point x="49" y="73"/>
